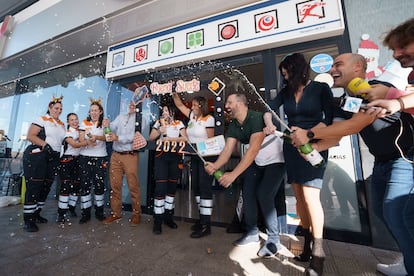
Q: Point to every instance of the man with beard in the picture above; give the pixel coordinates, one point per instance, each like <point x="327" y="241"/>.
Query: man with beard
<point x="246" y="127"/>
<point x="401" y="41"/>
<point x="392" y="177"/>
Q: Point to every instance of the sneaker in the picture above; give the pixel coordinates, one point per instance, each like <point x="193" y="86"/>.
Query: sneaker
<point x="247" y="240"/>
<point x="134" y="221"/>
<point x="270" y="250"/>
<point x="397" y="269"/>
<point x="111" y="219"/>
<point x="285" y="252"/>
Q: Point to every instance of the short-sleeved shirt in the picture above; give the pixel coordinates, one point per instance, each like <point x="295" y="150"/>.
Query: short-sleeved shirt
<point x="173" y="129"/>
<point x="252" y="124"/>
<point x="270" y="152"/>
<point x="99" y="150"/>
<point x="196" y="129"/>
<point x="54" y="130"/>
<point x="74" y="134"/>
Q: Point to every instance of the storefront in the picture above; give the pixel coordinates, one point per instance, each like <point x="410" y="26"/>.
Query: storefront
<point x="241" y="47"/>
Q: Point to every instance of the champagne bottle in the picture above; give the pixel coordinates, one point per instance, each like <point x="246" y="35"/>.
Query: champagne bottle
<point x="218" y="174"/>
<point x="312" y="155"/>
<point x="107" y="130"/>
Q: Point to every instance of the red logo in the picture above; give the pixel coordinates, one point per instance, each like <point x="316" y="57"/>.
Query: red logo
<point x="310" y="9"/>
<point x="266" y="21"/>
<point x="228" y="30"/>
<point x="141" y="53"/>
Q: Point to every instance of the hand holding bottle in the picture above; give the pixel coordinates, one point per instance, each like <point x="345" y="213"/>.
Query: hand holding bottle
<point x="108" y="132"/>
<point x="311" y="155"/>
<point x="299" y="136"/>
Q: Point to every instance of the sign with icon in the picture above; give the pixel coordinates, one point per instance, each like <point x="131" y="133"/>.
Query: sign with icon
<point x="254" y="27"/>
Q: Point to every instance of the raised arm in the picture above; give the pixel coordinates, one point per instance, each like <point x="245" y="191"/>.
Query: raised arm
<point x="180" y="105"/>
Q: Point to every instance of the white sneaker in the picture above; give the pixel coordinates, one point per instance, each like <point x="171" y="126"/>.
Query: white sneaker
<point x="285" y="252"/>
<point x="270" y="250"/>
<point x="397" y="269"/>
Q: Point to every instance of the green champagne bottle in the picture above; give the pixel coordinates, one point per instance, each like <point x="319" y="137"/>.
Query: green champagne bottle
<point x="312" y="155"/>
<point x="107" y="130"/>
<point x="218" y="174"/>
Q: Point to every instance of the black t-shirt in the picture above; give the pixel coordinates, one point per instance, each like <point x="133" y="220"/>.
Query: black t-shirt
<point x="380" y="136"/>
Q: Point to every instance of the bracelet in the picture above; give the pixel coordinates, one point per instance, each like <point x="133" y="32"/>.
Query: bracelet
<point x="401" y="103"/>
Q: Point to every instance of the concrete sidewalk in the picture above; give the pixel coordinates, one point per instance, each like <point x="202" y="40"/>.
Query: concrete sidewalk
<point x="118" y="249"/>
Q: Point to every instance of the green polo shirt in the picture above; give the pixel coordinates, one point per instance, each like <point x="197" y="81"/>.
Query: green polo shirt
<point x="252" y="124"/>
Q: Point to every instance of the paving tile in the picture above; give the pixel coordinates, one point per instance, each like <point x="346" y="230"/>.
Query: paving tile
<point x="118" y="249"/>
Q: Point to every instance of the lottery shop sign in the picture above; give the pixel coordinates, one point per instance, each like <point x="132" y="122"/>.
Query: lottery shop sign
<point x="258" y="26"/>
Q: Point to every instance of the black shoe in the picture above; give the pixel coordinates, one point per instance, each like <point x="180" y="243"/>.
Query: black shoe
<point x="156" y="229"/>
<point x="84" y="219"/>
<point x="299" y="231"/>
<point x="30" y="227"/>
<point x="170" y="223"/>
<point x="315" y="267"/>
<point x="100" y="217"/>
<point x="60" y="218"/>
<point x="302" y="257"/>
<point x="38" y="218"/>
<point x="196" y="226"/>
<point x="72" y="211"/>
<point x="204" y="230"/>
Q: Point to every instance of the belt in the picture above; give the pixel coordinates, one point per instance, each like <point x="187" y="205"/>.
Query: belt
<point x="126" y="152"/>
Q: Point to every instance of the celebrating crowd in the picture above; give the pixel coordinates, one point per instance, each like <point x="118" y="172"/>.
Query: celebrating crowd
<point x="313" y="117"/>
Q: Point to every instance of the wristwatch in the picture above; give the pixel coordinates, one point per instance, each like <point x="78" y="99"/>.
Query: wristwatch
<point x="310" y="134"/>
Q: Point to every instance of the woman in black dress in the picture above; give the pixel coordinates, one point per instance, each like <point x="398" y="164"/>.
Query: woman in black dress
<point x="307" y="104"/>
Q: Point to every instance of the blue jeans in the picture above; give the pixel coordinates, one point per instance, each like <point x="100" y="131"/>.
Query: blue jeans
<point x="260" y="186"/>
<point x="393" y="202"/>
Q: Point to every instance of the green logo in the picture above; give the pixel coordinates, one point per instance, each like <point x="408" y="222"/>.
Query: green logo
<point x="166" y="47"/>
<point x="195" y="39"/>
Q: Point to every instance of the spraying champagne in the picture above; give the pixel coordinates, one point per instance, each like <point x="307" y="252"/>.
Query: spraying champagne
<point x="312" y="155"/>
<point x="217" y="173"/>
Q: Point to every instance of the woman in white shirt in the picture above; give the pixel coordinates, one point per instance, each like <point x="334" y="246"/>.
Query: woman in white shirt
<point x="69" y="169"/>
<point x="41" y="162"/>
<point x="169" y="132"/>
<point x="199" y="128"/>
<point x="92" y="162"/>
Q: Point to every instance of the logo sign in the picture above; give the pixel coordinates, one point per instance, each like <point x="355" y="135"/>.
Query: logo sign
<point x="216" y="86"/>
<point x="254" y="27"/>
<point x="180" y="86"/>
<point x="310" y="9"/>
<point x="141" y="53"/>
<point x="266" y="21"/>
<point x="321" y="63"/>
<point x="118" y="59"/>
<point x="183" y="86"/>
<point x="229" y="30"/>
<point x="195" y="39"/>
<point x="166" y="46"/>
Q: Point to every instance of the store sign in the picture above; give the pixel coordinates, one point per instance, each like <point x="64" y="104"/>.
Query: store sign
<point x="321" y="63"/>
<point x="180" y="86"/>
<point x="263" y="25"/>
